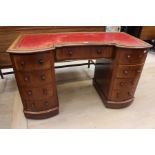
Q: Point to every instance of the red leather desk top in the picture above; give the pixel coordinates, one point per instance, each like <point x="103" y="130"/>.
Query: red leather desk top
<point x="41" y="42"/>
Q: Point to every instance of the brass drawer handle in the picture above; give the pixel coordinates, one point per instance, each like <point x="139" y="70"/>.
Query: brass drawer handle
<point x="99" y="51"/>
<point x="43" y="77"/>
<point x="41" y="61"/>
<point x="124" y="83"/>
<point x="138" y="71"/>
<point x="145" y="51"/>
<point x="26" y="78"/>
<point x="128" y="56"/>
<point x="46" y="103"/>
<point x="33" y="105"/>
<point x="125" y="72"/>
<point x="70" y="53"/>
<point x="29" y="92"/>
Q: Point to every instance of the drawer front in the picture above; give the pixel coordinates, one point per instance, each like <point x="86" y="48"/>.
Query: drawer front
<point x="40" y="105"/>
<point x="132" y="57"/>
<point x="35" y="78"/>
<point x="30" y="62"/>
<point x="36" y="93"/>
<point x="124" y="84"/>
<point x="131" y="71"/>
<point x="70" y="53"/>
<point x="122" y="94"/>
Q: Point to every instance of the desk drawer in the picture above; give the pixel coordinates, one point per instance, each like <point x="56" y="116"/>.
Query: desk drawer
<point x="123" y="89"/>
<point x="28" y="62"/>
<point x="121" y="95"/>
<point x="40" y="105"/>
<point x="125" y="83"/>
<point x="129" y="71"/>
<point x="37" y="92"/>
<point x="35" y="78"/>
<point x="132" y="57"/>
<point x="83" y="52"/>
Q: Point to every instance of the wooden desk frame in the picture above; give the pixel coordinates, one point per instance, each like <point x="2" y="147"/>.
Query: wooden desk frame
<point x="117" y="70"/>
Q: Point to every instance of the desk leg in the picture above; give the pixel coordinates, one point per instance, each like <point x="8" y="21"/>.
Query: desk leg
<point x="36" y="84"/>
<point x="116" y="80"/>
<point x="104" y="82"/>
<point x="1" y="74"/>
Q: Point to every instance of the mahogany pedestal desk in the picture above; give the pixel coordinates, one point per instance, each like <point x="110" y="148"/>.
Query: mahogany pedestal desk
<point x="119" y="62"/>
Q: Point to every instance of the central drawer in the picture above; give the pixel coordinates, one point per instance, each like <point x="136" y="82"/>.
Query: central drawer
<point x="83" y="52"/>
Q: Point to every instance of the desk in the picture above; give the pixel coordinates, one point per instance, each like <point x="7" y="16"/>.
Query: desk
<point x="119" y="62"/>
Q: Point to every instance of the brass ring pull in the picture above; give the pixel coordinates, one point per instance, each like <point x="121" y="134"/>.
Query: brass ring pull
<point x="125" y="72"/>
<point x="43" y="77"/>
<point x="145" y="51"/>
<point x="33" y="105"/>
<point x="139" y="71"/>
<point x="128" y="56"/>
<point x="46" y="103"/>
<point x="26" y="78"/>
<point x="70" y="53"/>
<point x="123" y="83"/>
<point x="29" y="92"/>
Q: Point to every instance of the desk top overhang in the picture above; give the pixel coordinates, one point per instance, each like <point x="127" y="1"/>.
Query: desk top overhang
<point x="31" y="43"/>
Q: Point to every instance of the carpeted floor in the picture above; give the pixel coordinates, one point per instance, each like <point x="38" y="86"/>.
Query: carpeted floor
<point x="80" y="105"/>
